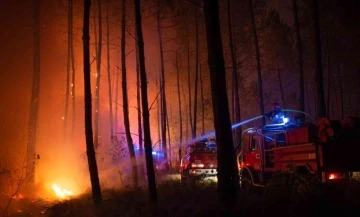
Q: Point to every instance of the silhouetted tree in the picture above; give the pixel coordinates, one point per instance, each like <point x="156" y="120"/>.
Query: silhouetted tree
<point x="235" y="76"/>
<point x="278" y="72"/>
<point x="163" y="110"/>
<point x="278" y="45"/>
<point x="168" y="162"/>
<point x="144" y="102"/>
<point x="340" y="87"/>
<point x="320" y="96"/>
<point x="35" y="94"/>
<point x="300" y="58"/>
<point x="189" y="79"/>
<point x="138" y="104"/>
<point x="116" y="99"/>
<point x="98" y="75"/>
<point x="202" y="101"/>
<point x="68" y="65"/>
<point x="258" y="60"/>
<point x="108" y="72"/>
<point x="73" y="69"/>
<point x="227" y="170"/>
<point x="179" y="102"/>
<point x="196" y="72"/>
<point x="158" y="110"/>
<point x="126" y="100"/>
<point x="329" y="80"/>
<point x="90" y="149"/>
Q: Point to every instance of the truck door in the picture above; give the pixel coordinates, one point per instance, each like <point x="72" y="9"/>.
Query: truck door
<point x="253" y="155"/>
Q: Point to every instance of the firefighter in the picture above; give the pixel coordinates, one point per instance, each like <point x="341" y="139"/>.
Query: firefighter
<point x="276" y="115"/>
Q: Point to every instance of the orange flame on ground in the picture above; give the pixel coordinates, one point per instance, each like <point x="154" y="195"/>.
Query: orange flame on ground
<point x="61" y="193"/>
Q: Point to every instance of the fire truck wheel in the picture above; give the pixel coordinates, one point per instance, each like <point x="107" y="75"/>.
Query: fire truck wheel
<point x="246" y="184"/>
<point x="187" y="180"/>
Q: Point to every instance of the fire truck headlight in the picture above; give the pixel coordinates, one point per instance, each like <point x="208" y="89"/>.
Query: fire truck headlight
<point x="285" y="120"/>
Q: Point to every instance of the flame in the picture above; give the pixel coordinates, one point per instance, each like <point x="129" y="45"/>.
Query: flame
<point x="60" y="192"/>
<point x="18" y="196"/>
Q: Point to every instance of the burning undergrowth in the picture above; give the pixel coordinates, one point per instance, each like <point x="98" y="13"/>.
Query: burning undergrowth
<point x="134" y="202"/>
<point x="178" y="200"/>
<point x="60" y="176"/>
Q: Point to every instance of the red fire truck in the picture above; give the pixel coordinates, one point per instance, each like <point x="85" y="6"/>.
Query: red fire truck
<point x="199" y="162"/>
<point x="326" y="148"/>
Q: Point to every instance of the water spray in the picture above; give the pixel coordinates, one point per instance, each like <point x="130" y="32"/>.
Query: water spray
<point x="234" y="126"/>
<point x="212" y="134"/>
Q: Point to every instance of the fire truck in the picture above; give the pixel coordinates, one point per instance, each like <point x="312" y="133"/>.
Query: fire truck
<point x="158" y="159"/>
<point x="328" y="149"/>
<point x="199" y="162"/>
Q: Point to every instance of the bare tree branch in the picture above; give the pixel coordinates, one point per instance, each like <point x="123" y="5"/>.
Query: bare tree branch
<point x="156" y="98"/>
<point x="195" y="3"/>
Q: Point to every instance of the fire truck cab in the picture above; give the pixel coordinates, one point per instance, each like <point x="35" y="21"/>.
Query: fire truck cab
<point x="199" y="162"/>
<point x="327" y="149"/>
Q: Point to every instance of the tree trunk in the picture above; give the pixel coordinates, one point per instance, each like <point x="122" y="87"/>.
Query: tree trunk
<point x="307" y="97"/>
<point x="318" y="60"/>
<point x="202" y="102"/>
<point x="186" y="112"/>
<point x="334" y="102"/>
<point x="350" y="97"/>
<point x="278" y="71"/>
<point x="144" y="102"/>
<point x="196" y="72"/>
<point x="232" y="114"/>
<point x="162" y="91"/>
<point x="333" y="109"/>
<point x="236" y="96"/>
<point x="340" y="88"/>
<point x="300" y="58"/>
<point x="116" y="99"/>
<point x="158" y="108"/>
<point x="258" y="61"/>
<point x="98" y="68"/>
<point x="35" y="94"/>
<point x="90" y="149"/>
<point x="179" y="102"/>
<point x="68" y="65"/>
<point x="168" y="139"/>
<point x="328" y="77"/>
<point x="138" y="104"/>
<point x="315" y="100"/>
<point x="95" y="34"/>
<point x="189" y="79"/>
<point x="227" y="170"/>
<point x="73" y="71"/>
<point x="129" y="140"/>
<point x="109" y="73"/>
<point x="232" y="102"/>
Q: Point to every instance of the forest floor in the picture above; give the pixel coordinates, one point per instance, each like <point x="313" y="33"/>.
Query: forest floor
<point x="178" y="200"/>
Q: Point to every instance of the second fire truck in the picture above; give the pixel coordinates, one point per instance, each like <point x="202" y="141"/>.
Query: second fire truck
<point x="325" y="148"/>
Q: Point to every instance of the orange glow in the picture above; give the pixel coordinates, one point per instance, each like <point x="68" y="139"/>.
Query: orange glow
<point x="61" y="192"/>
